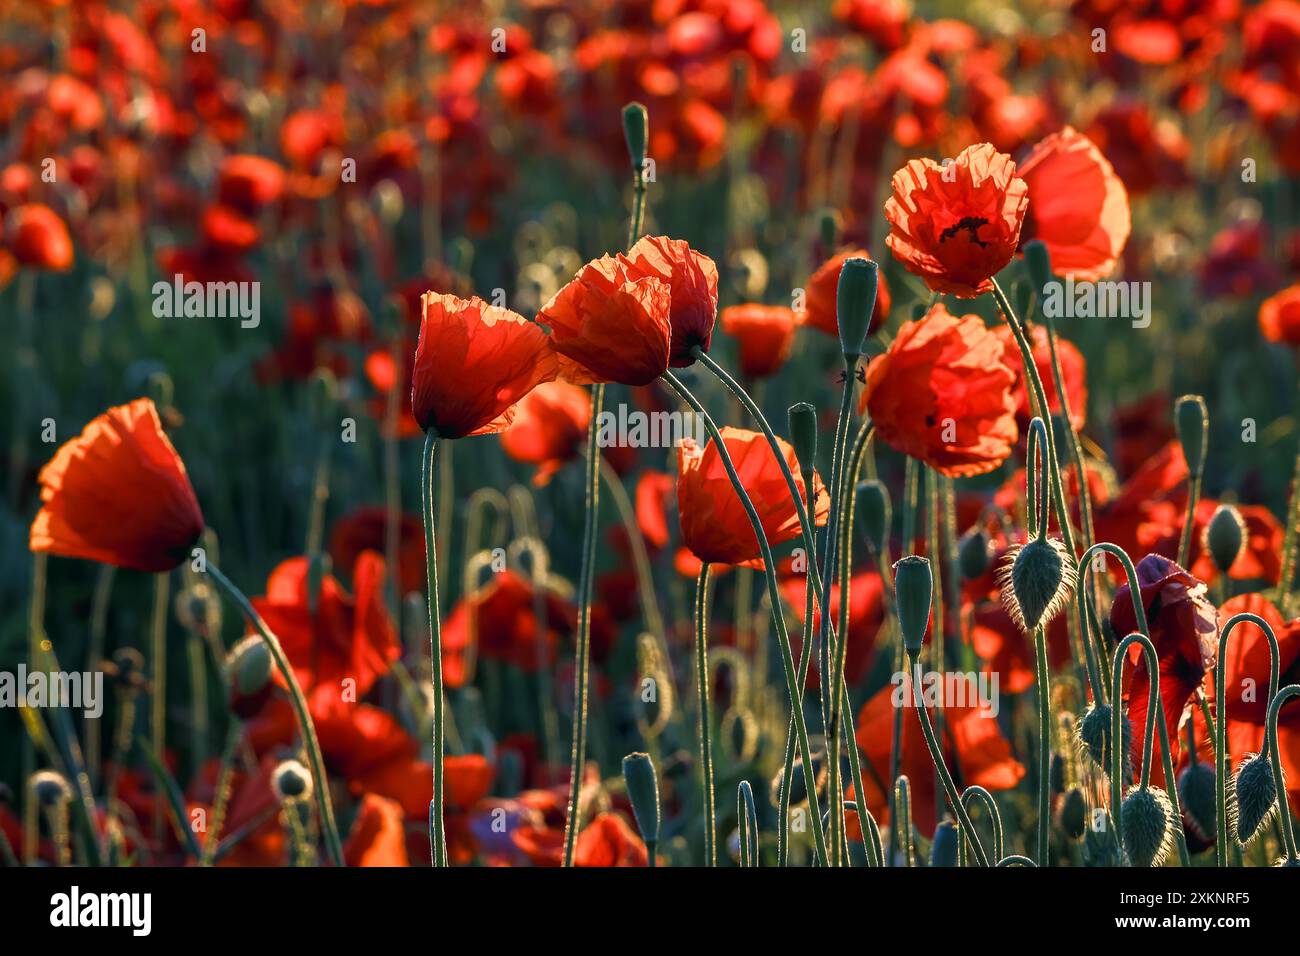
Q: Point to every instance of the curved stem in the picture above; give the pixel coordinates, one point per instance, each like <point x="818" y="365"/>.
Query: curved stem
<point x="586" y="584"/>
<point x="1016" y="860"/>
<point x="1270" y="734"/>
<point x="437" y="833"/>
<point x="1189" y="519"/>
<point x="703" y="720"/>
<point x="973" y="793"/>
<point x="954" y="797"/>
<point x="747" y="815"/>
<point x="1116" y="740"/>
<point x="1076" y="448"/>
<point x="1222" y="769"/>
<point x="774" y="597"/>
<point x="1044" y="744"/>
<point x="903" y="806"/>
<point x="306" y="727"/>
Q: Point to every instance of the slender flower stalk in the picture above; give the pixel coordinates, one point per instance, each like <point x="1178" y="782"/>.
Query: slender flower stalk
<point x="1154" y="714"/>
<point x="1289" y="544"/>
<point x="747" y="815"/>
<point x="1274" y="750"/>
<point x="974" y="794"/>
<point x="774" y="596"/>
<point x="704" y="721"/>
<point x="437" y="833"/>
<point x="306" y="727"/>
<point x="903" y="806"/>
<point x="1221" y="769"/>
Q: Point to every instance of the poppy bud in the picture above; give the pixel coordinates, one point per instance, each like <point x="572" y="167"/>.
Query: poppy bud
<point x="643" y="794"/>
<point x="1094" y="736"/>
<point x="874" y="513"/>
<point x="636" y="122"/>
<point x="854" y="302"/>
<point x="943" y="851"/>
<point x="803" y="434"/>
<point x="1256" y="793"/>
<point x="913" y="591"/>
<point x="1197" y="798"/>
<point x="1192" y="421"/>
<point x="127" y="669"/>
<point x="248" y="665"/>
<point x="50" y="788"/>
<point x="830" y="228"/>
<point x="1035" y="582"/>
<point x="1224" y="537"/>
<point x="1074" y="813"/>
<point x="973" y="555"/>
<point x="291" y="781"/>
<point x="1147" y="818"/>
<point x="1288" y="861"/>
<point x="1056" y="774"/>
<point x="1039" y="262"/>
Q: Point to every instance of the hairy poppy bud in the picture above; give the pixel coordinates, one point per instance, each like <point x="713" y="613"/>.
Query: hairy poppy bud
<point x="50" y="788"/>
<point x="1197" y="799"/>
<point x="1039" y="262"/>
<point x="643" y="794"/>
<point x="1225" y="536"/>
<point x="803" y="434"/>
<point x="874" y="513"/>
<point x="913" y="591"/>
<point x="1147" y="819"/>
<point x="636" y="122"/>
<point x="248" y="674"/>
<point x="1193" y="421"/>
<point x="1074" y="813"/>
<point x="1288" y="861"/>
<point x="1035" y="582"/>
<point x="854" y="302"/>
<point x="1094" y="736"/>
<point x="1256" y="793"/>
<point x="943" y="851"/>
<point x="291" y="781"/>
<point x="973" y="555"/>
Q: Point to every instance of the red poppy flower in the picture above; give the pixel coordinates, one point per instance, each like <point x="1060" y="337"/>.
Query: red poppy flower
<point x="1149" y="506"/>
<point x="1073" y="370"/>
<point x="653" y="490"/>
<point x="1260" y="558"/>
<point x="250" y="183"/>
<point x="38" y="238"/>
<point x="1077" y="205"/>
<point x="378" y="836"/>
<point x="1184" y="631"/>
<point x="346" y="638"/>
<point x="822" y="294"/>
<point x="714" y="524"/>
<point x="365" y="529"/>
<point x="957" y="227"/>
<point x="608" y="840"/>
<point x="1008" y="652"/>
<point x="550" y="428"/>
<point x="611" y="324"/>
<point x="763" y="334"/>
<point x="693" y="280"/>
<point x="1279" y="316"/>
<point x="973" y="746"/>
<point x="866" y="614"/>
<point x="118" y="493"/>
<point x="942" y="394"/>
<point x="474" y="361"/>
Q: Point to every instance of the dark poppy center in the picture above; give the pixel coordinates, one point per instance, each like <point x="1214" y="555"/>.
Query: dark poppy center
<point x="969" y="224"/>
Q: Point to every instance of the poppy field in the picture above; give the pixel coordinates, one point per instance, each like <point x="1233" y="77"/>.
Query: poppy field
<point x="651" y="433"/>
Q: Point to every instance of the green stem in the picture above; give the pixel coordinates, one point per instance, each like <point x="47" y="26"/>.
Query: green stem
<point x="437" y="833"/>
<point x="1270" y="733"/>
<point x="1154" y="714"/>
<point x="1044" y="745"/>
<point x="747" y="814"/>
<point x="1289" y="544"/>
<point x="703" y="717"/>
<point x="158" y="687"/>
<point x="306" y="727"/>
<point x="973" y="793"/>
<point x="903" y="806"/>
<point x="1189" y="520"/>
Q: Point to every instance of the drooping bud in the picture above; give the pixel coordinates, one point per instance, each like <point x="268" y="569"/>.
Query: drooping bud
<point x="291" y="781"/>
<point x="1256" y="793"/>
<point x="1094" y="737"/>
<point x="1225" y="536"/>
<point x="643" y="794"/>
<point x="943" y="851"/>
<point x="913" y="592"/>
<point x="973" y="554"/>
<point x="1193" y="421"/>
<point x="1039" y="262"/>
<point x="248" y="674"/>
<point x="1074" y="813"/>
<point x="854" y="302"/>
<point x="874" y="513"/>
<point x="1197" y="798"/>
<point x="636" y="123"/>
<point x="803" y="434"/>
<point x="1035" y="581"/>
<point x="1147" y="820"/>
<point x="50" y="788"/>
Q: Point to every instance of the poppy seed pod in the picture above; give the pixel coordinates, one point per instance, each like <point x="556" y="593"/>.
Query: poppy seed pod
<point x="874" y="513"/>
<point x="291" y="781"/>
<point x="636" y="122"/>
<point x="50" y="788"/>
<point x="943" y="851"/>
<point x="1146" y="818"/>
<point x="913" y="591"/>
<point x="1035" y="582"/>
<point x="854" y="302"/>
<point x="1225" y="536"/>
<point x="1074" y="813"/>
<point x="1192" y="421"/>
<point x="643" y="794"/>
<point x="1197" y="798"/>
<point x="803" y="433"/>
<point x="1256" y="793"/>
<point x="973" y="555"/>
<point x="1094" y="736"/>
<point x="1039" y="262"/>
